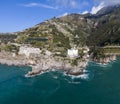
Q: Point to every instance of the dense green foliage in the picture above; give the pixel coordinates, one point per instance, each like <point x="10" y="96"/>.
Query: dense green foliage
<point x="74" y="62"/>
<point x="98" y="53"/>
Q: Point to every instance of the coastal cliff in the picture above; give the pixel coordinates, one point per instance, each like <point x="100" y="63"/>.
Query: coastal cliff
<point x="106" y="60"/>
<point x="43" y="63"/>
<point x="65" y="43"/>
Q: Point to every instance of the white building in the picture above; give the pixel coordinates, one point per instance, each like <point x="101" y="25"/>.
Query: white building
<point x="72" y="53"/>
<point x="24" y="50"/>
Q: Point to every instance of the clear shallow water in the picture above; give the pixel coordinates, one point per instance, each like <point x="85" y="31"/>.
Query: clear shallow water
<point x="100" y="85"/>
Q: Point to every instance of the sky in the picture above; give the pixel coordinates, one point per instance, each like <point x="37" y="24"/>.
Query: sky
<point x="17" y="15"/>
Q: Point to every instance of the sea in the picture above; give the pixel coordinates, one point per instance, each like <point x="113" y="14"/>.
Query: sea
<point x="100" y="84"/>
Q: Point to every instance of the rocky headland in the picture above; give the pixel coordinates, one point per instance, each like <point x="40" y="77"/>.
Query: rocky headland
<point x="42" y="63"/>
<point x="105" y="60"/>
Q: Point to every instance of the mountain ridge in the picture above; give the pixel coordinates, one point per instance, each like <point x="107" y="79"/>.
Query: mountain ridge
<point x="74" y="29"/>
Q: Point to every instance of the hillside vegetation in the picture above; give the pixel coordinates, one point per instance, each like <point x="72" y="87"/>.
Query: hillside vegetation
<point x="60" y="34"/>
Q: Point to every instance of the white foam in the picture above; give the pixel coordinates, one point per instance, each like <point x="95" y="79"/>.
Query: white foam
<point x="85" y="71"/>
<point x="55" y="77"/>
<point x="84" y="76"/>
<point x="72" y="82"/>
<point x="26" y="75"/>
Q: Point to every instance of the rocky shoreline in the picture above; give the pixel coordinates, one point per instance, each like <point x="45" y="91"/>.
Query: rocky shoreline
<point x="67" y="68"/>
<point x="106" y="60"/>
<point x="46" y="63"/>
<point x="43" y="64"/>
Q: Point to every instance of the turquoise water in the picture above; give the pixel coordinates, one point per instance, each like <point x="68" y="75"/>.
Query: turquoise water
<point x="100" y="85"/>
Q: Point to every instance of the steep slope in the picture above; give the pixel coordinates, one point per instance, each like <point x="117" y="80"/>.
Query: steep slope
<point x="75" y="30"/>
<point x="58" y="33"/>
<point x="107" y="29"/>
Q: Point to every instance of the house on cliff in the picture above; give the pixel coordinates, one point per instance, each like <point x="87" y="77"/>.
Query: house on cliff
<point x="27" y="51"/>
<point x="72" y="53"/>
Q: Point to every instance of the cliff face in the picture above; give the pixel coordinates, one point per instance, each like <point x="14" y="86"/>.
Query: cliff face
<point x="106" y="59"/>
